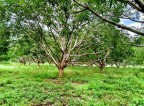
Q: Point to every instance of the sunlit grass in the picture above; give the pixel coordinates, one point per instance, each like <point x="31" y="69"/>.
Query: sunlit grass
<point x="81" y="86"/>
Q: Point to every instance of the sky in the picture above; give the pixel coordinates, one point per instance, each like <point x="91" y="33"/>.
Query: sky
<point x="126" y="21"/>
<point x="130" y="23"/>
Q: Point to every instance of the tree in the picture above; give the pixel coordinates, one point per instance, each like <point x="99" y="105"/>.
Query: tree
<point x="53" y="26"/>
<point x="101" y="45"/>
<point x="99" y="38"/>
<point x="38" y="55"/>
<point x="138" y="47"/>
<point x="121" y="51"/>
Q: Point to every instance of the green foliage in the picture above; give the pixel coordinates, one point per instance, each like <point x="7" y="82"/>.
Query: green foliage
<point x="139" y="40"/>
<point x="122" y="49"/>
<point x="138" y="58"/>
<point x="4" y="42"/>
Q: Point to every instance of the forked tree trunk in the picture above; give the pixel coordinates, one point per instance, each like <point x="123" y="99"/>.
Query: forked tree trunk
<point x="61" y="67"/>
<point x="102" y="62"/>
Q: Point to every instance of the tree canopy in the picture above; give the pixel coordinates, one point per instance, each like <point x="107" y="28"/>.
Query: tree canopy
<point x="69" y="32"/>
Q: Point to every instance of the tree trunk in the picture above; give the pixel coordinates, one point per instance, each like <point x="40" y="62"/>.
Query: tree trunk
<point x="61" y="67"/>
<point x="60" y="72"/>
<point x="90" y="64"/>
<point x="24" y="63"/>
<point x="38" y="65"/>
<point x="117" y="64"/>
<point x="101" y="65"/>
<point x="125" y="65"/>
<point x="29" y="63"/>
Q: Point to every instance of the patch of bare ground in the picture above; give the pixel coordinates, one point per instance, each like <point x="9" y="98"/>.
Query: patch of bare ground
<point x="79" y="82"/>
<point x="45" y="104"/>
<point x="58" y="82"/>
<point x="55" y="81"/>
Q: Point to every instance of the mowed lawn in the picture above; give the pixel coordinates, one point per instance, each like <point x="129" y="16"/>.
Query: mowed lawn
<point x="81" y="86"/>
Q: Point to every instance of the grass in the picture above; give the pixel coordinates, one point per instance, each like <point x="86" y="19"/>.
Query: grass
<point x="81" y="86"/>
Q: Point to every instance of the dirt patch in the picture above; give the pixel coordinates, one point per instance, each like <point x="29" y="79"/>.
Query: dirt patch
<point x="57" y="82"/>
<point x="46" y="104"/>
<point x="79" y="82"/>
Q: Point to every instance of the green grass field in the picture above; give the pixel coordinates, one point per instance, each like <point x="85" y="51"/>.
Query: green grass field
<point x="81" y="86"/>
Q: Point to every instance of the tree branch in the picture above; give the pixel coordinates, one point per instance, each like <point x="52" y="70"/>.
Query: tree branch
<point x="111" y="22"/>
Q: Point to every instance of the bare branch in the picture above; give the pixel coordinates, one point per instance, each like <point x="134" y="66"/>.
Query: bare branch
<point x="132" y="4"/>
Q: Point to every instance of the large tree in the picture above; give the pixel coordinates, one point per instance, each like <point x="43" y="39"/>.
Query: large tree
<point x="53" y="26"/>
